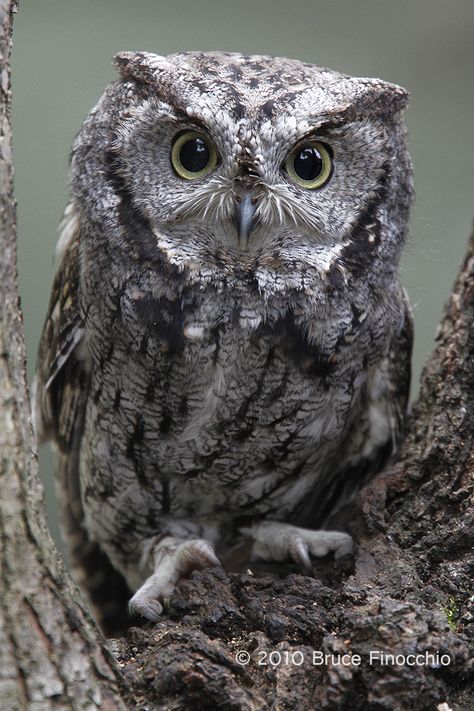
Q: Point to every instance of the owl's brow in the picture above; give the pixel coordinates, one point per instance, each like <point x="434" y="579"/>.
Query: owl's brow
<point x="182" y="115"/>
<point x="335" y="120"/>
<point x="184" y="121"/>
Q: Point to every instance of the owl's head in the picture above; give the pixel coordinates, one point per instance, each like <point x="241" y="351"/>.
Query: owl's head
<point x="229" y="163"/>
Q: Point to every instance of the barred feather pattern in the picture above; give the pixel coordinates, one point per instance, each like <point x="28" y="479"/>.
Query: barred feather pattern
<point x="193" y="386"/>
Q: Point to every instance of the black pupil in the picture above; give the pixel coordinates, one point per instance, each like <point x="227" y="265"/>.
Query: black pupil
<point x="308" y="163"/>
<point x="194" y="155"/>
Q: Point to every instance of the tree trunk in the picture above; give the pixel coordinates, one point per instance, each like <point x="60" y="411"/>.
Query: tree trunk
<point x="51" y="653"/>
<point x="268" y="638"/>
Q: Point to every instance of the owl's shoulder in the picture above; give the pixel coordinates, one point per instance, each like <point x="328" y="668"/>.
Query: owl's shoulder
<point x="62" y="370"/>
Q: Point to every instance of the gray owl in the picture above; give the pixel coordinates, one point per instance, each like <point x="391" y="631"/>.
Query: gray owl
<point x="226" y="354"/>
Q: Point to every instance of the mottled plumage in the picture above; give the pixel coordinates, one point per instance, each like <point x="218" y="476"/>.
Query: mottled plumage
<point x="228" y="353"/>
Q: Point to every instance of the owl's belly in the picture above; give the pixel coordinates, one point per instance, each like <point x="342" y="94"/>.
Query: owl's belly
<point x="238" y="429"/>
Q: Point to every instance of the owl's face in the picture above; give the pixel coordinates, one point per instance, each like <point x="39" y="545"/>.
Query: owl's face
<point x="240" y="162"/>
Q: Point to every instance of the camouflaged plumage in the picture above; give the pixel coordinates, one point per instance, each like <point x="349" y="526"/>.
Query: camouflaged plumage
<point x="196" y="389"/>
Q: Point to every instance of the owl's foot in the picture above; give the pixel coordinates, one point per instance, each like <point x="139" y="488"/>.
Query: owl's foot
<point x="281" y="541"/>
<point x="174" y="559"/>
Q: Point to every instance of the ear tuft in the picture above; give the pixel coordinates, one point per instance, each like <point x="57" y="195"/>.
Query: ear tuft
<point x="382" y="97"/>
<point x="141" y="66"/>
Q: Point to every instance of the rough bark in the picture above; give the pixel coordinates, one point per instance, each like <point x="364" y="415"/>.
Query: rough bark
<point x="406" y="591"/>
<point x="51" y="653"/>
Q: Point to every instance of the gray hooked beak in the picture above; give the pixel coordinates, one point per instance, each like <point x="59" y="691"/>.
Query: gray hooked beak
<point x="246" y="203"/>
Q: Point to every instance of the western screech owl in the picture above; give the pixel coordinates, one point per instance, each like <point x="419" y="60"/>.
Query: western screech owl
<point x="226" y="352"/>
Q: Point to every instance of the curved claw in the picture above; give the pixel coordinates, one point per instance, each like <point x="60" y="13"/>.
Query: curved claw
<point x="196" y="555"/>
<point x="298" y="550"/>
<point x="146" y="606"/>
<point x="279" y="541"/>
<point x="175" y="560"/>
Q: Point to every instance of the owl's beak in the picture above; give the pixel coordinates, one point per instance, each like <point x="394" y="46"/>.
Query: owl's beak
<point x="246" y="203"/>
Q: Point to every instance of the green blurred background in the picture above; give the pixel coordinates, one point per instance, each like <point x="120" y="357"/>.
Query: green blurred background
<point x="61" y="63"/>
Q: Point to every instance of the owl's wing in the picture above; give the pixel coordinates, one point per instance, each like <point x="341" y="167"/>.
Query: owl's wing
<point x="60" y="392"/>
<point x="399" y="375"/>
<point x="374" y="437"/>
<point x="62" y="380"/>
<point x="387" y="397"/>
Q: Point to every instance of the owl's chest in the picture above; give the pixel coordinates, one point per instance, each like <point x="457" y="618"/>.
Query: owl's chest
<point x="221" y="366"/>
<point x="221" y="412"/>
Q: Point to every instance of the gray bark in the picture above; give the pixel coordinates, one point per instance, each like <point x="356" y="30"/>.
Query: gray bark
<point x="406" y="591"/>
<point x="51" y="653"/>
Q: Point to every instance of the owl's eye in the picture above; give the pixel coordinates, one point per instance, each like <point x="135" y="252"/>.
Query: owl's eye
<point x="309" y="165"/>
<point x="193" y="155"/>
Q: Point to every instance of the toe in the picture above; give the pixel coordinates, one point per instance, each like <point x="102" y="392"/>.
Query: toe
<point x="196" y="555"/>
<point x="345" y="547"/>
<point x="146" y="606"/>
<point x="321" y="543"/>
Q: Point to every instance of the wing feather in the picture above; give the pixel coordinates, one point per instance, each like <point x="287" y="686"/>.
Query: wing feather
<point x="58" y="361"/>
<point x="60" y="392"/>
<point x="374" y="437"/>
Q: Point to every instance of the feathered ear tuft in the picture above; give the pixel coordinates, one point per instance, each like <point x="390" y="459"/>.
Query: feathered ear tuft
<point x="382" y="97"/>
<point x="143" y="67"/>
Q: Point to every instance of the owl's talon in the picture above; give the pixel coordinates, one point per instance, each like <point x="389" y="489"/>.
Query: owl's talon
<point x="174" y="559"/>
<point x="196" y="554"/>
<point x="281" y="541"/>
<point x="345" y="547"/>
<point x="145" y="606"/>
<point x="298" y="550"/>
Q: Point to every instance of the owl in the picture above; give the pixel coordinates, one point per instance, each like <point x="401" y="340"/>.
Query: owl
<point x="226" y="355"/>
